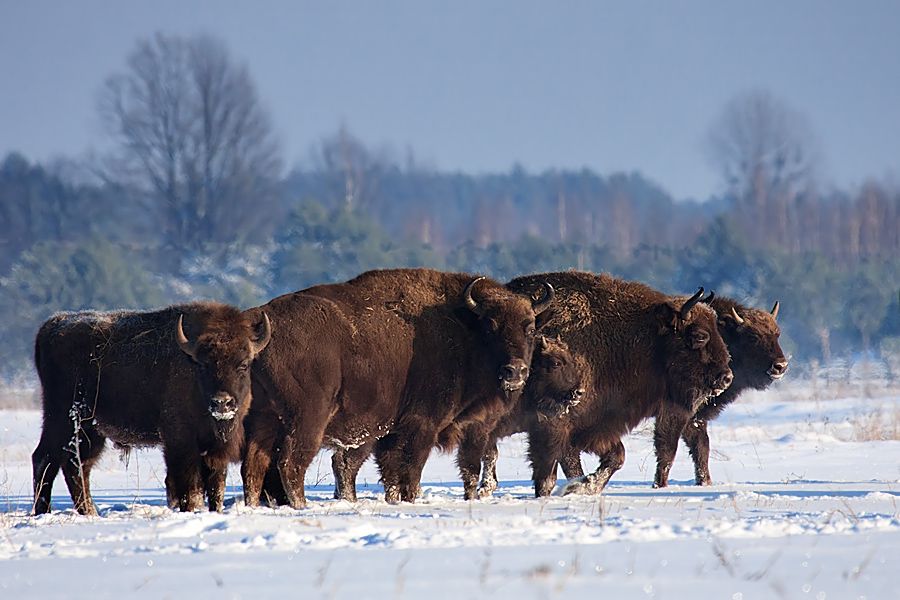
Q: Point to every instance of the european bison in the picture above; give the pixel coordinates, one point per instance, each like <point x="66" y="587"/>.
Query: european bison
<point x="556" y="386"/>
<point x="644" y="350"/>
<point x="756" y="361"/>
<point x="179" y="377"/>
<point x="385" y="361"/>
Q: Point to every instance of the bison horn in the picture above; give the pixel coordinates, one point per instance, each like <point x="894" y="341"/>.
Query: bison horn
<point x="265" y="335"/>
<point x="467" y="295"/>
<point x="775" y="309"/>
<point x="709" y="299"/>
<point x="737" y="317"/>
<point x="689" y="304"/>
<point x="542" y="342"/>
<point x="188" y="347"/>
<point x="541" y="305"/>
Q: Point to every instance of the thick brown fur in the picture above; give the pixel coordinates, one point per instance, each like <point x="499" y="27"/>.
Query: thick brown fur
<point x="124" y="376"/>
<point x="554" y="389"/>
<point x="756" y="360"/>
<point x="642" y="354"/>
<point x="383" y="362"/>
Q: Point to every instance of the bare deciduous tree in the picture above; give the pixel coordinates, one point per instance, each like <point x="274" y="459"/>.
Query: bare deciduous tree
<point x="192" y="134"/>
<point x="767" y="155"/>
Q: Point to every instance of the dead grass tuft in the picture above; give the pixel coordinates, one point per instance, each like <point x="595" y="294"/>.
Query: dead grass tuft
<point x="878" y="425"/>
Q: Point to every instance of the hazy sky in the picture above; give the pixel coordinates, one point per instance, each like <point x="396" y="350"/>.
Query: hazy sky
<point x="480" y="85"/>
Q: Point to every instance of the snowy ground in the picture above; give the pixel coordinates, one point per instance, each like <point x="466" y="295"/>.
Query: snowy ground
<point x="805" y="506"/>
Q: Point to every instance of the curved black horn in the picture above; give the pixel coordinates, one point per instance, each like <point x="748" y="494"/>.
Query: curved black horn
<point x="775" y="309"/>
<point x="541" y="305"/>
<point x="467" y="296"/>
<point x="689" y="304"/>
<point x="265" y="335"/>
<point x="188" y="347"/>
<point x="708" y="299"/>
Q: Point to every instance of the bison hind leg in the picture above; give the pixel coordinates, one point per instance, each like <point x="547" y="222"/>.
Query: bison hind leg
<point x="45" y="462"/>
<point x="83" y="451"/>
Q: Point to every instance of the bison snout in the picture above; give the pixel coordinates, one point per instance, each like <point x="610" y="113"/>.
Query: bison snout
<point x="778" y="369"/>
<point x="513" y="375"/>
<point x="223" y="406"/>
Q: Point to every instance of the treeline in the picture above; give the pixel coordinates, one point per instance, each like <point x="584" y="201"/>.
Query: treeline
<point x="70" y="241"/>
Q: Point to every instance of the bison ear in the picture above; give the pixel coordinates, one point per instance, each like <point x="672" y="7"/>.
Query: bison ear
<point x="668" y="317"/>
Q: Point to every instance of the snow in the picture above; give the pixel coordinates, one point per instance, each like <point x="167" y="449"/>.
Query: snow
<point x="803" y="507"/>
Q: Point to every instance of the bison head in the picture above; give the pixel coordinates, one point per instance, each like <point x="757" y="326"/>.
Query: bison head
<point x="509" y="325"/>
<point x="556" y="385"/>
<point x="752" y="338"/>
<point x="697" y="359"/>
<point x="222" y="349"/>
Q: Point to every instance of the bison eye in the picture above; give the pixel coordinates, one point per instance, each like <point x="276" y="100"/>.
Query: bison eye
<point x="243" y="367"/>
<point x="529" y="331"/>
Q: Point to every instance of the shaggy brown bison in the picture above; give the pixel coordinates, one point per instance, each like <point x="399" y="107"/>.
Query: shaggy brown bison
<point x="385" y="361"/>
<point x="179" y="377"/>
<point x="756" y="361"/>
<point x="643" y="350"/>
<point x="555" y="387"/>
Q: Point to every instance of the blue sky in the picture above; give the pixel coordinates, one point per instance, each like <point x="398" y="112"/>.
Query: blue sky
<point x="479" y="86"/>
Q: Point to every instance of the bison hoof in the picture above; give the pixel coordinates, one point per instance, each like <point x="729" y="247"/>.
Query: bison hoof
<point x="660" y="484"/>
<point x="486" y="491"/>
<point x="704" y="481"/>
<point x="392" y="494"/>
<point x="575" y="487"/>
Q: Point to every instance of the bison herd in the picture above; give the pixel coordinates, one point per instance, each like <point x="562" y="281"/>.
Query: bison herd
<point x="395" y="363"/>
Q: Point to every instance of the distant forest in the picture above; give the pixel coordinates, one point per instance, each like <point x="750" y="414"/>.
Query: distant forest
<point x="201" y="207"/>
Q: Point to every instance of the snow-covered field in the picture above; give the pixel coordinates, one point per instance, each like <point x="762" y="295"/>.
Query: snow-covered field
<point x="805" y="506"/>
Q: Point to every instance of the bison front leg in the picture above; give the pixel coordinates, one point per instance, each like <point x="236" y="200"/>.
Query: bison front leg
<point x="669" y="425"/>
<point x="468" y="458"/>
<point x="571" y="463"/>
<point x="544" y="447"/>
<point x="696" y="437"/>
<point x="297" y="453"/>
<point x="611" y="460"/>
<point x="213" y="473"/>
<point x="254" y="468"/>
<point x="345" y="464"/>
<point x="489" y="481"/>
<point x="418" y="448"/>
<point x="389" y="456"/>
<point x="184" y="484"/>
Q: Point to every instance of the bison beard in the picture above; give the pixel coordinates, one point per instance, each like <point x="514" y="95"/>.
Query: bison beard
<point x="383" y="363"/>
<point x="140" y="379"/>
<point x="644" y="350"/>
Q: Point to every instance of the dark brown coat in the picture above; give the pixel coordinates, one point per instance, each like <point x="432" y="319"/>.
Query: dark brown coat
<point x="555" y="388"/>
<point x="177" y="377"/>
<point x="383" y="362"/>
<point x="644" y="350"/>
<point x="756" y="361"/>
